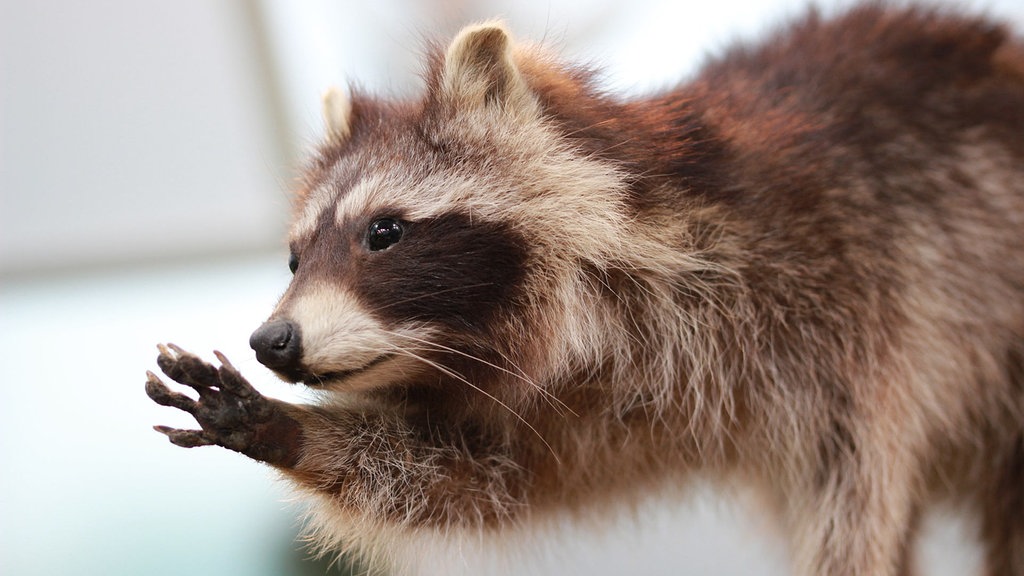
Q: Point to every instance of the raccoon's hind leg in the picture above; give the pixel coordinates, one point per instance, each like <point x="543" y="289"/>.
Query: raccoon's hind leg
<point x="859" y="512"/>
<point x="1002" y="506"/>
<point x="1002" y="496"/>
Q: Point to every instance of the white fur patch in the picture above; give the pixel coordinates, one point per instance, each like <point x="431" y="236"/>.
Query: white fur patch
<point x="368" y="197"/>
<point x="317" y="202"/>
<point x="339" y="335"/>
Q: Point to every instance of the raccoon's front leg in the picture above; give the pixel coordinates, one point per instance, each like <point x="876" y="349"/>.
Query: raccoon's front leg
<point x="229" y="410"/>
<point x="377" y="466"/>
<point x="367" y="463"/>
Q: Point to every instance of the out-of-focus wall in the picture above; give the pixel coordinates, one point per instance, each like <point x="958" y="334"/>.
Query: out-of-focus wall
<point x="134" y="131"/>
<point x="640" y="45"/>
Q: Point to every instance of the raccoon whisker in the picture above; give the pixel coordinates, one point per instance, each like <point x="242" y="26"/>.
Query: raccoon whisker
<point x="591" y="126"/>
<point x="552" y="400"/>
<point x="549" y="398"/>
<point x="453" y="374"/>
<point x="518" y="373"/>
<point x="432" y="294"/>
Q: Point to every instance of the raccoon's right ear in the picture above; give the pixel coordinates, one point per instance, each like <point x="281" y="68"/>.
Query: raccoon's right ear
<point x="337" y="112"/>
<point x="479" y="69"/>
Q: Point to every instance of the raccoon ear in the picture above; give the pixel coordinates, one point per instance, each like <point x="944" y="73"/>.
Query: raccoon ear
<point x="337" y="112"/>
<point x="479" y="68"/>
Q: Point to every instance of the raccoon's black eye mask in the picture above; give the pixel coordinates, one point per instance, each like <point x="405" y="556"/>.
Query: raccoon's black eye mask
<point x="380" y="235"/>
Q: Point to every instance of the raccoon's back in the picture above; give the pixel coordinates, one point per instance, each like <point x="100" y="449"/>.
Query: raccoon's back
<point x="872" y="186"/>
<point x="874" y="93"/>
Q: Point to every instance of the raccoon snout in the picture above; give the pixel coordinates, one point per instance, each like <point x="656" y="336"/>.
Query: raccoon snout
<point x="278" y="345"/>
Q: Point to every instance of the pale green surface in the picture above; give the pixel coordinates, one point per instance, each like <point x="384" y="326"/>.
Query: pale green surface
<point x="88" y="487"/>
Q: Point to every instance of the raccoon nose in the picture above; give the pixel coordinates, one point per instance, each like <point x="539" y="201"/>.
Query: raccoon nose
<point x="278" y="344"/>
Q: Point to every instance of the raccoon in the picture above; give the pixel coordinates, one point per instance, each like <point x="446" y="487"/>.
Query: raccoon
<point x="524" y="298"/>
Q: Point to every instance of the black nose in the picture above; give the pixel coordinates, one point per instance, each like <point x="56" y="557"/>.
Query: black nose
<point x="278" y="344"/>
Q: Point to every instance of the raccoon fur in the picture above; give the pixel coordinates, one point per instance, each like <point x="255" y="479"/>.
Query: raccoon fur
<point x="524" y="298"/>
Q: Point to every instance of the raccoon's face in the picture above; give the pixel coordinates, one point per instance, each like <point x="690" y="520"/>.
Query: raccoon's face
<point x="389" y="290"/>
<point x="445" y="240"/>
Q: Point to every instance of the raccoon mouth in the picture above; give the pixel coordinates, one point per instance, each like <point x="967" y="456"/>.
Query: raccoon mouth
<point x="320" y="380"/>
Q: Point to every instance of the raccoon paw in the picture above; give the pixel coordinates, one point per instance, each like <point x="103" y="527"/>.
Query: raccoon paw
<point x="230" y="412"/>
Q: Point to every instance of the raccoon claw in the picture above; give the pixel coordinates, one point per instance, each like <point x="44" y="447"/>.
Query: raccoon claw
<point x="185" y="438"/>
<point x="186" y="368"/>
<point x="162" y="395"/>
<point x="229" y="410"/>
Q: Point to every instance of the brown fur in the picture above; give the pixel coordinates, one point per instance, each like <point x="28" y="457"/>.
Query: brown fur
<point x="803" y="269"/>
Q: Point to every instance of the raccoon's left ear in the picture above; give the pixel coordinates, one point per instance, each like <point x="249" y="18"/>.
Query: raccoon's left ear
<point x="479" y="69"/>
<point x="337" y="111"/>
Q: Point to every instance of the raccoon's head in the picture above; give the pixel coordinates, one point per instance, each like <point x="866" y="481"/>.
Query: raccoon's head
<point x="449" y="241"/>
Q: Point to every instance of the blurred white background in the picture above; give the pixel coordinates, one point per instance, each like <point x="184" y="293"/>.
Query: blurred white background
<point x="146" y="151"/>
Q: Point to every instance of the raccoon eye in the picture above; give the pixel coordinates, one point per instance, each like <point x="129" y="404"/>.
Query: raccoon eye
<point x="383" y="233"/>
<point x="293" y="262"/>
